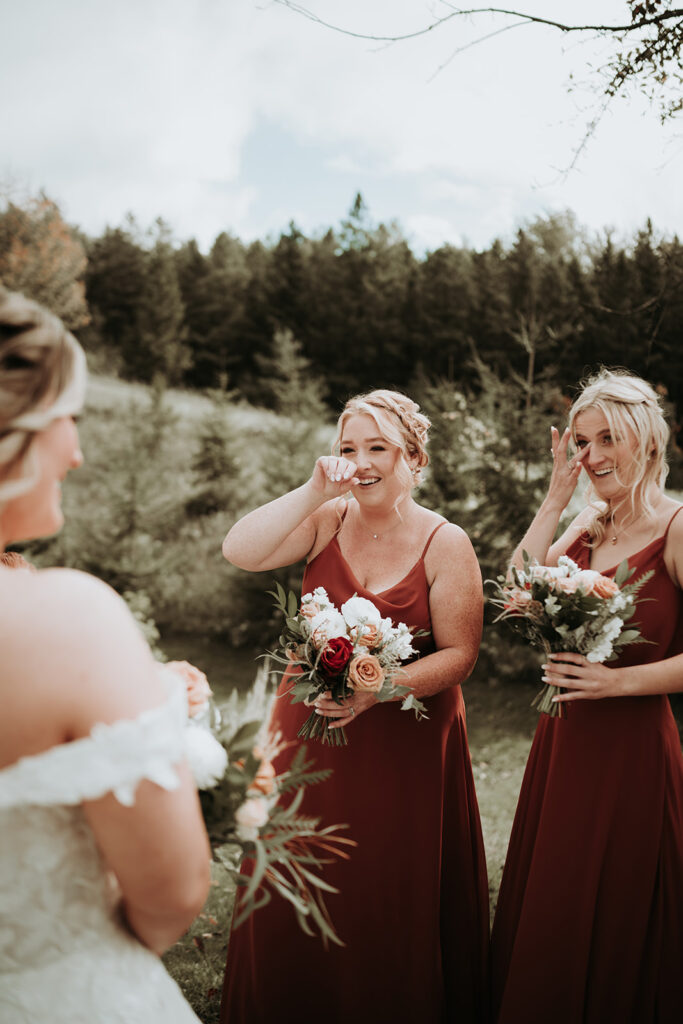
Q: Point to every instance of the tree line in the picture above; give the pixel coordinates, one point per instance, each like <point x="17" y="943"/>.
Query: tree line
<point x="355" y="307"/>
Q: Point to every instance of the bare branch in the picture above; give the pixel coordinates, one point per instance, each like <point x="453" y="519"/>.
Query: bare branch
<point x="529" y="19"/>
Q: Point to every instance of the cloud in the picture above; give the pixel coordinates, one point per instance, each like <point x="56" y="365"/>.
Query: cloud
<point x="166" y="108"/>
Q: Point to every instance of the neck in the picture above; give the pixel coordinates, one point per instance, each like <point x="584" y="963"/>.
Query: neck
<point x="623" y="514"/>
<point x="380" y="521"/>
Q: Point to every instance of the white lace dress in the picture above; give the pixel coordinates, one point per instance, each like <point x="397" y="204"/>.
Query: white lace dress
<point x="64" y="956"/>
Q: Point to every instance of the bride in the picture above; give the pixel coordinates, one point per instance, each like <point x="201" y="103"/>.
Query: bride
<point x="104" y="860"/>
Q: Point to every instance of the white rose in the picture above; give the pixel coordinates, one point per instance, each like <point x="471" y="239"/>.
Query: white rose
<point x="326" y="625"/>
<point x="359" y="611"/>
<point x="206" y="757"/>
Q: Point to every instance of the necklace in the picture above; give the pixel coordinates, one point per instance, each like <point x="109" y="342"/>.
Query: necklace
<point x="378" y="536"/>
<point x="614" y="538"/>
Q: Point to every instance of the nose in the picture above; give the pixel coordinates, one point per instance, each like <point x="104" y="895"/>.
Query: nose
<point x="76" y="458"/>
<point x="595" y="456"/>
<point x="363" y="460"/>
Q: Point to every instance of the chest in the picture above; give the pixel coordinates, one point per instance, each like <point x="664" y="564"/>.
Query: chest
<point x="379" y="566"/>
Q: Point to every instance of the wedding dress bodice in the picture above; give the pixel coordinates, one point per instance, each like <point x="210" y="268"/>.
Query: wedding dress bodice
<point x="64" y="954"/>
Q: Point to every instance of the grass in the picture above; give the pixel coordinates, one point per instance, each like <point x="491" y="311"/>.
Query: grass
<point x="500" y="725"/>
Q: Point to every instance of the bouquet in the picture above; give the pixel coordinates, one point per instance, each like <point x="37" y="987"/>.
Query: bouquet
<point x="240" y="797"/>
<point x="565" y="608"/>
<point x="352" y="650"/>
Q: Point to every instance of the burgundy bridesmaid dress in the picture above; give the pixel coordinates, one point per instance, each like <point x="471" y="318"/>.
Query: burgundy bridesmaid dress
<point x="412" y="907"/>
<point x="589" y="923"/>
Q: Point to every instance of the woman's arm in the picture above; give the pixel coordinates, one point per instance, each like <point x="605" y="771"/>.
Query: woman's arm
<point x="284" y="531"/>
<point x="102" y="672"/>
<point x="538" y="540"/>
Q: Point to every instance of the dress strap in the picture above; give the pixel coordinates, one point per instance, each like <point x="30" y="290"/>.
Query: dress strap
<point x="431" y="537"/>
<point x="672" y="519"/>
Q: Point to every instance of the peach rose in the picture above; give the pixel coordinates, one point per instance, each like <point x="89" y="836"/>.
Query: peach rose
<point x="568" y="584"/>
<point x="310" y="609"/>
<point x="369" y="636"/>
<point x="264" y="779"/>
<point x="597" y="585"/>
<point x="196" y="684"/>
<point x="250" y="817"/>
<point x="366" y="675"/>
<point x="517" y="601"/>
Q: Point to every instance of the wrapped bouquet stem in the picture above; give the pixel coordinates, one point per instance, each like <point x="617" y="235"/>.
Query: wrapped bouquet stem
<point x="565" y="608"/>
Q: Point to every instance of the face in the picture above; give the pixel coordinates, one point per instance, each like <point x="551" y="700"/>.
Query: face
<point x="376" y="459"/>
<point x="38" y="512"/>
<point x="607" y="454"/>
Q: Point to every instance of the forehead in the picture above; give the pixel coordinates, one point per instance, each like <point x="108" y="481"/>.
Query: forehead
<point x="590" y="421"/>
<point x="360" y="427"/>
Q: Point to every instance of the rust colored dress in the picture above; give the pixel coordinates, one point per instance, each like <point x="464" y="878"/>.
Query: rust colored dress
<point x="589" y="924"/>
<point x="413" y="898"/>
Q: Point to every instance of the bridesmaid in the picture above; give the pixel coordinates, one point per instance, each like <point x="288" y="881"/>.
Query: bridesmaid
<point x="413" y="903"/>
<point x="589" y="924"/>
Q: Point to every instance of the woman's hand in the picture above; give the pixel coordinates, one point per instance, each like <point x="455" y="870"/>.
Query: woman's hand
<point x="583" y="679"/>
<point x="342" y="715"/>
<point x="565" y="472"/>
<point x="333" y="476"/>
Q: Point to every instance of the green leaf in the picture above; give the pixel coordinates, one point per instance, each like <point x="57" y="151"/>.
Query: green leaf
<point x="623" y="572"/>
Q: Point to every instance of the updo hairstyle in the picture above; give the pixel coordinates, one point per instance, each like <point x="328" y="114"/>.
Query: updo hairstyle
<point x="628" y="403"/>
<point x="42" y="377"/>
<point x="400" y="422"/>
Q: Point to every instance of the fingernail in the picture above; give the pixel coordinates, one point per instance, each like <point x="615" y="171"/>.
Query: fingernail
<point x="546" y="679"/>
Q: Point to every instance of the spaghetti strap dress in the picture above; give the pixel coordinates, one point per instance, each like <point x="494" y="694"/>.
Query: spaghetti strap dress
<point x="589" y="923"/>
<point x="412" y="907"/>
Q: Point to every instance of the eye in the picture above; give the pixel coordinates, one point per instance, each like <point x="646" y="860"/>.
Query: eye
<point x="581" y="444"/>
<point x="345" y="450"/>
<point x="378" y="448"/>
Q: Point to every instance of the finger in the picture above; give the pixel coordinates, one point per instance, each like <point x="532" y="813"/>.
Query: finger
<point x="349" y="471"/>
<point x="341" y="723"/>
<point x="577" y="459"/>
<point x="567" y="656"/>
<point x="569" y="696"/>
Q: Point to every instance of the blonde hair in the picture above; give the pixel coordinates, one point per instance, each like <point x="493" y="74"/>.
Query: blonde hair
<point x="42" y="377"/>
<point x="630" y="405"/>
<point x="400" y="422"/>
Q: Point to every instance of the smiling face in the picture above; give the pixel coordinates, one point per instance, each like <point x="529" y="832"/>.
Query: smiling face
<point x="38" y="511"/>
<point x="612" y="462"/>
<point x="376" y="459"/>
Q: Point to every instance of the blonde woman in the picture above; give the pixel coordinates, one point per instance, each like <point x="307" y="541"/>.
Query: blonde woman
<point x="589" y="924"/>
<point x="104" y="860"/>
<point x="413" y="909"/>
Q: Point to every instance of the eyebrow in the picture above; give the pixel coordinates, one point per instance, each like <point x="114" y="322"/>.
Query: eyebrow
<point x="367" y="440"/>
<point x="583" y="437"/>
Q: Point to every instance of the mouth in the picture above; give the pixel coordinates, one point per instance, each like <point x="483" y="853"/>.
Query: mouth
<point x="369" y="481"/>
<point x="603" y="472"/>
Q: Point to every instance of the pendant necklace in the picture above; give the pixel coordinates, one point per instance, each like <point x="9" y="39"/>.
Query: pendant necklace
<point x="378" y="536"/>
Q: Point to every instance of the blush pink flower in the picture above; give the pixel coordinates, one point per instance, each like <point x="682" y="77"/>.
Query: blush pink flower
<point x="196" y="685"/>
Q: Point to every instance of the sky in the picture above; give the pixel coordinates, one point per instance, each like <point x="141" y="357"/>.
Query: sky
<point x="242" y="115"/>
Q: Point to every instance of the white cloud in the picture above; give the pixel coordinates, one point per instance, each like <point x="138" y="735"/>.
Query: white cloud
<point x="152" y="107"/>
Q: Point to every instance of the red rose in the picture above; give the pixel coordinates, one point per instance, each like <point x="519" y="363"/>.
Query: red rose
<point x="336" y="654"/>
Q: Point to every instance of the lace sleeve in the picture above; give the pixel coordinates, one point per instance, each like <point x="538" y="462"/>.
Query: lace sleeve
<point x="113" y="758"/>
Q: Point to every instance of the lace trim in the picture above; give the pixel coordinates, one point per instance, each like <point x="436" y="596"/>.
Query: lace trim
<point x="115" y="758"/>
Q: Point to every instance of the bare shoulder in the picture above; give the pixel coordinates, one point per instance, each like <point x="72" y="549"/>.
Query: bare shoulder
<point x="673" y="549"/>
<point x="450" y="551"/>
<point x="327" y="520"/>
<point x="62" y="602"/>
<point x="71" y="642"/>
